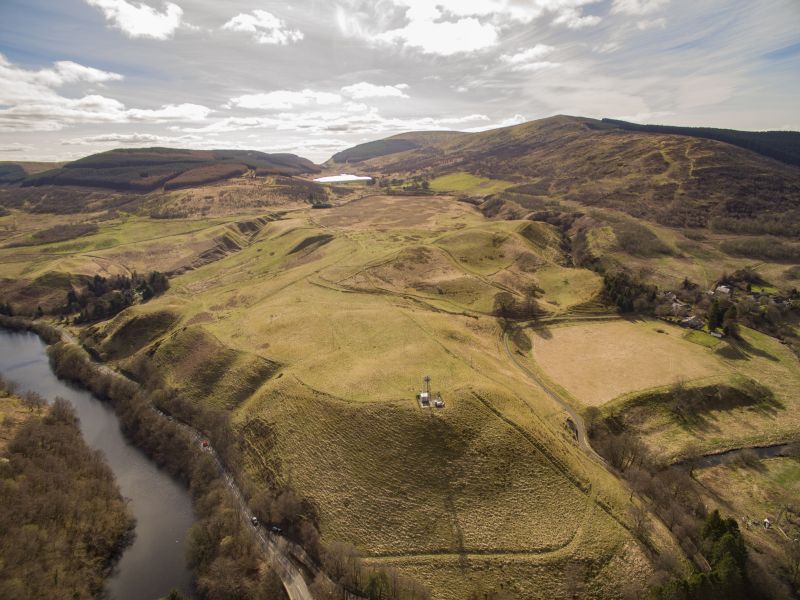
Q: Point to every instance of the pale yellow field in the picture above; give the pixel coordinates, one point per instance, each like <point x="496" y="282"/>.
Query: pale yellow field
<point x="598" y="362"/>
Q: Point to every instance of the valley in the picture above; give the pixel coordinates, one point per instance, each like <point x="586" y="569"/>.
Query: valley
<point x="539" y="276"/>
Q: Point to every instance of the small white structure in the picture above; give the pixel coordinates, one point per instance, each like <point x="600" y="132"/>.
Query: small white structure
<point x="723" y="289"/>
<point x="767" y="523"/>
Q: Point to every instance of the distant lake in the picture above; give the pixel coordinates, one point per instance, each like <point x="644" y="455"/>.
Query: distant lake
<point x="341" y="178"/>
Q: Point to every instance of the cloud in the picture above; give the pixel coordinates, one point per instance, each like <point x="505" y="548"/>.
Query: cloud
<point x="637" y="7"/>
<point x="574" y="19"/>
<point x="129" y="139"/>
<point x="30" y="100"/>
<point x="284" y="100"/>
<point x="170" y="112"/>
<point x="348" y="118"/>
<point x="449" y="27"/>
<point x="530" y="59"/>
<point x="646" y="24"/>
<point x="14" y="147"/>
<point x="368" y="90"/>
<point x="443" y="37"/>
<point x="265" y="28"/>
<point x="515" y="120"/>
<point x="140" y="20"/>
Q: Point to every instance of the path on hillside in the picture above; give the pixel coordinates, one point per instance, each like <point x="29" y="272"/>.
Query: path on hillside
<point x="580" y="424"/>
<point x="282" y="554"/>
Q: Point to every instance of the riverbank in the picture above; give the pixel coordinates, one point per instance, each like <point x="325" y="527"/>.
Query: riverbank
<point x="63" y="521"/>
<point x="222" y="551"/>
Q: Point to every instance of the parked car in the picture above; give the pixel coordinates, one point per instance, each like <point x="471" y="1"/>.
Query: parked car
<point x="254" y="521"/>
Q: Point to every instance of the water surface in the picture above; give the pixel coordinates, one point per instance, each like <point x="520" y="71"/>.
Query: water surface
<point x="155" y="562"/>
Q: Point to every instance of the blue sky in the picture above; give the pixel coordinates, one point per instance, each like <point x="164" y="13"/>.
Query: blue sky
<point x="315" y="76"/>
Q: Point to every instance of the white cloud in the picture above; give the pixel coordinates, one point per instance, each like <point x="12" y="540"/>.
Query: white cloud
<point x="530" y="59"/>
<point x="574" y="19"/>
<point x="515" y="120"/>
<point x="368" y="90"/>
<point x="30" y="100"/>
<point x="170" y="112"/>
<point x="265" y="28"/>
<point x="637" y="7"/>
<point x="448" y="27"/>
<point x="348" y="118"/>
<point x="646" y="24"/>
<point x="129" y="139"/>
<point x="443" y="37"/>
<point x="14" y="147"/>
<point x="284" y="100"/>
<point x="140" y="20"/>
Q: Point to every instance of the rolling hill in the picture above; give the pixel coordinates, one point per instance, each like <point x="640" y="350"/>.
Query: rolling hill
<point x="664" y="177"/>
<point x="146" y="169"/>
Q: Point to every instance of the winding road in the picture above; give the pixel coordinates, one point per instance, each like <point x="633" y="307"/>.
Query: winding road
<point x="580" y="425"/>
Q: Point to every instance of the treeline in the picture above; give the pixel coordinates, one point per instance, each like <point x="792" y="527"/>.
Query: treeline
<point x="225" y="560"/>
<point x="780" y="145"/>
<point x="106" y="297"/>
<point x="63" y="521"/>
<point x="349" y="575"/>
<point x="763" y="247"/>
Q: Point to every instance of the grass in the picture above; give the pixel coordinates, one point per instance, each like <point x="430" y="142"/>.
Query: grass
<point x="462" y="181"/>
<point x="757" y="357"/>
<point x="597" y="362"/>
<point x="702" y="338"/>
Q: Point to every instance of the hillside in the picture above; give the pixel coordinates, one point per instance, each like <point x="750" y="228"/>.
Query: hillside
<point x="669" y="179"/>
<point x="393" y="145"/>
<point x="146" y="169"/>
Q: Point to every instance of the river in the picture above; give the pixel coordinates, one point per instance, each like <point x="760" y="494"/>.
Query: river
<point x="156" y="561"/>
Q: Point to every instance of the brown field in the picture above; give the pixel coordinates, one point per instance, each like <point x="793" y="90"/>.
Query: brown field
<point x="598" y="362"/>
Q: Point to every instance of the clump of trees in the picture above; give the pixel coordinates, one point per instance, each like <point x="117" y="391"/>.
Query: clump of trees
<point x="724" y="548"/>
<point x="63" y="522"/>
<point x="508" y="307"/>
<point x="105" y="297"/>
<point x="628" y="293"/>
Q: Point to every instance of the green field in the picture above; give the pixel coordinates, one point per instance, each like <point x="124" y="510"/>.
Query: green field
<point x="468" y="183"/>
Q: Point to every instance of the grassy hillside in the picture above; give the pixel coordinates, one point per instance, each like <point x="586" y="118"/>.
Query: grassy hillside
<point x="666" y="178"/>
<point x="392" y="145"/>
<point x="781" y="145"/>
<point x="314" y="336"/>
<point x="145" y="169"/>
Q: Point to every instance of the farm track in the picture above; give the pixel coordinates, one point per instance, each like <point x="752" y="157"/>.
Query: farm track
<point x="580" y="424"/>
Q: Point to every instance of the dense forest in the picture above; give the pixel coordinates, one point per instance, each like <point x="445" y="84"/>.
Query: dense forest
<point x="63" y="522"/>
<point x="780" y="145"/>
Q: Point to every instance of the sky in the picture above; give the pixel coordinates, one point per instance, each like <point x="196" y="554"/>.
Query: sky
<point x="313" y="77"/>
